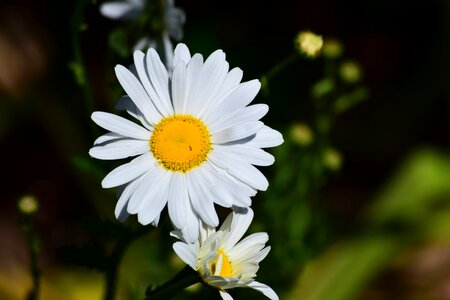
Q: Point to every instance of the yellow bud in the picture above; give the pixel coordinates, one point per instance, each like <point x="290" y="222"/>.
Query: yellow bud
<point x="301" y="134"/>
<point x="309" y="43"/>
<point x="28" y="205"/>
<point x="350" y="71"/>
<point x="332" y="48"/>
<point x="332" y="159"/>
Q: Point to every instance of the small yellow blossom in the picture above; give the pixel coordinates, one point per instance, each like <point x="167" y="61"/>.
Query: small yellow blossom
<point x="302" y="134"/>
<point x="309" y="43"/>
<point x="332" y="48"/>
<point x="28" y="205"/>
<point x="350" y="71"/>
<point x="332" y="159"/>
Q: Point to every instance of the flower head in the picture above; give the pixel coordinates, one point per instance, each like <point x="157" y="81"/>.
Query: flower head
<point x="309" y="43"/>
<point x="28" y="205"/>
<point x="222" y="260"/>
<point x="197" y="143"/>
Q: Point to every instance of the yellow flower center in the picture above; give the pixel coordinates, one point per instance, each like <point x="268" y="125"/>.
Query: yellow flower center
<point x="180" y="142"/>
<point x="226" y="269"/>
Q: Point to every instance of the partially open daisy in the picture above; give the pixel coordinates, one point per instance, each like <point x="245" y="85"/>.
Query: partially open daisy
<point x="221" y="260"/>
<point x="198" y="143"/>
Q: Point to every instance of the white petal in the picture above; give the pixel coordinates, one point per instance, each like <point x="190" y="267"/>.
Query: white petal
<point x="191" y="231"/>
<point x="237" y="99"/>
<point x="181" y="53"/>
<point x="214" y="185"/>
<point x="249" y="113"/>
<point x="262" y="288"/>
<point x="179" y="81"/>
<point x="205" y="232"/>
<point x="262" y="254"/>
<point x="200" y="200"/>
<point x="168" y="51"/>
<point x="252" y="155"/>
<point x="160" y="81"/>
<point x="119" y="10"/>
<point x="125" y="103"/>
<point x="226" y="225"/>
<point x="178" y="200"/>
<point x="186" y="252"/>
<point x="237" y="132"/>
<point x="213" y="75"/>
<point x="118" y="149"/>
<point x="222" y="282"/>
<point x="230" y="83"/>
<point x="120" y="125"/>
<point x="228" y="186"/>
<point x="129" y="171"/>
<point x="142" y="67"/>
<point x="255" y="240"/>
<point x="156" y="220"/>
<point x="121" y="207"/>
<point x="239" y="226"/>
<point x="107" y="137"/>
<point x="218" y="265"/>
<point x="133" y="87"/>
<point x="241" y="170"/>
<point x="225" y="295"/>
<point x="148" y="187"/>
<point x="266" y="137"/>
<point x="153" y="204"/>
<point x="193" y="83"/>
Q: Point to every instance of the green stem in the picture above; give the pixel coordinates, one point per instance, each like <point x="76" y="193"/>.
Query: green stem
<point x="114" y="262"/>
<point x="182" y="280"/>
<point x="33" y="249"/>
<point x="35" y="273"/>
<point x="276" y="70"/>
<point x="281" y="65"/>
<point x="77" y="65"/>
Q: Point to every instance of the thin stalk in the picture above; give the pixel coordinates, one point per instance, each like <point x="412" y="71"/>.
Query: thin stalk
<point x="33" y="249"/>
<point x="182" y="280"/>
<point x="114" y="262"/>
<point x="281" y="66"/>
<point x="34" y="269"/>
<point x="77" y="65"/>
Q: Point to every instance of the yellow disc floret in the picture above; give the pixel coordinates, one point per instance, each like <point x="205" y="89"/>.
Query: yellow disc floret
<point x="226" y="269"/>
<point x="180" y="142"/>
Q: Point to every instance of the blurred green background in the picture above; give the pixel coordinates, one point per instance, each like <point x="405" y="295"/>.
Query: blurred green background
<point x="358" y="205"/>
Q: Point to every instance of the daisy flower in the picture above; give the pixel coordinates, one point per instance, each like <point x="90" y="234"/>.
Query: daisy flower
<point x="197" y="143"/>
<point x="222" y="261"/>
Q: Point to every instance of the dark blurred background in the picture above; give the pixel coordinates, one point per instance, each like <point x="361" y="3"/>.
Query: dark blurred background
<point x="402" y="47"/>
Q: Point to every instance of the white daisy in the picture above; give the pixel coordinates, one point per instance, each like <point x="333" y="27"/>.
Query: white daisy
<point x="197" y="144"/>
<point x="221" y="260"/>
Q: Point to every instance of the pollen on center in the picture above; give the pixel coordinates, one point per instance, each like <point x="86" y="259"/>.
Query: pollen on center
<point x="180" y="142"/>
<point x="226" y="270"/>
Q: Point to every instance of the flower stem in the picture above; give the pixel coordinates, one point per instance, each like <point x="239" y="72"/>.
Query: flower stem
<point x="114" y="262"/>
<point x="33" y="249"/>
<point x="277" y="69"/>
<point x="182" y="280"/>
<point x="77" y="65"/>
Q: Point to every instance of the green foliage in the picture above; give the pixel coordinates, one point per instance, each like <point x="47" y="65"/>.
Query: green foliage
<point x="414" y="206"/>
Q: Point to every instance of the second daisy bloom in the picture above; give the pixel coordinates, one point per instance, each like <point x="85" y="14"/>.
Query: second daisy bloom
<point x="197" y="143"/>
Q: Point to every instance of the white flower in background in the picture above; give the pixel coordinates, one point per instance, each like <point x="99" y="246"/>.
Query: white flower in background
<point x="197" y="144"/>
<point x="123" y="10"/>
<point x="174" y="19"/>
<point x="221" y="260"/>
